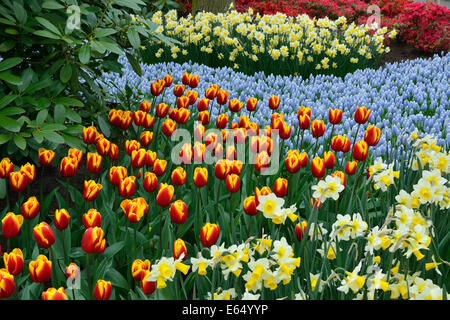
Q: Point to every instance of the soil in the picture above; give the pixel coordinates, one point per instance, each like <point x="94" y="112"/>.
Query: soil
<point x="400" y="51"/>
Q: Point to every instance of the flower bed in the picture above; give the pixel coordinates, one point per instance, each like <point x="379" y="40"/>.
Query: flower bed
<point x="273" y="44"/>
<point x="401" y="96"/>
<point x="424" y="26"/>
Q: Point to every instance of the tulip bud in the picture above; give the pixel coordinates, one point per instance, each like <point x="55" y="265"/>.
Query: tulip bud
<point x="233" y="183"/>
<point x="360" y="150"/>
<point x="182" y="116"/>
<point x="285" y="131"/>
<point x="318" y="128"/>
<point x="186" y="154"/>
<point x="14" y="262"/>
<point x="40" y="269"/>
<point x="102" y="290"/>
<point x="235" y="105"/>
<point x="62" y="219"/>
<point x="45" y="157"/>
<point x="6" y="168"/>
<point x="236" y="167"/>
<point x="30" y="208"/>
<point x="280" y="187"/>
<point x="168" y="79"/>
<point x="53" y="294"/>
<point x="250" y="206"/>
<point x="139" y="117"/>
<point x="350" y="167"/>
<point x="93" y="162"/>
<point x="274" y="102"/>
<point x="372" y="135"/>
<point x="150" y="182"/>
<point x="211" y="93"/>
<point x="178" y="176"/>
<point x="300" y="230"/>
<point x="362" y="115"/>
<point x="209" y="234"/>
<point x="315" y="204"/>
<point x="127" y="187"/>
<point x="341" y="176"/>
<point x="178" y="212"/>
<point x="334" y="116"/>
<point x="292" y="161"/>
<point x="317" y="167"/>
<point x="337" y="143"/>
<point x="93" y="241"/>
<point x="44" y="235"/>
<point x="91" y="190"/>
<point x="139" y="269"/>
<point x="165" y="195"/>
<point x="179" y="248"/>
<point x="329" y="159"/>
<point x="92" y="219"/>
<point x="262" y="161"/>
<point x="11" y="225"/>
<point x="159" y="167"/>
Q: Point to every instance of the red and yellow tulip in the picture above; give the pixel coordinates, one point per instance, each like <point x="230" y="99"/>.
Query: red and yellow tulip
<point x="14" y="261"/>
<point x="92" y="219"/>
<point x="91" y="190"/>
<point x="178" y="212"/>
<point x="54" y="294"/>
<point x="93" y="241"/>
<point x="43" y="234"/>
<point x="209" y="234"/>
<point x="40" y="269"/>
<point x="102" y="290"/>
<point x="30" y="208"/>
<point x="62" y="219"/>
<point x="11" y="225"/>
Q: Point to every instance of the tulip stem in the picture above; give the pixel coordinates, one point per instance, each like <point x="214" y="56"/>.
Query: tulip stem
<point x="301" y="142"/>
<point x="331" y="137"/>
<point x="356" y="135"/>
<point x="88" y="277"/>
<point x="317" y="145"/>
<point x="160" y="231"/>
<point x="231" y="218"/>
<point x="134" y="242"/>
<point x="53" y="259"/>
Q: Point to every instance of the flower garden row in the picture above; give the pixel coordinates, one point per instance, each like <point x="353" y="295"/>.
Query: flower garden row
<point x="274" y="44"/>
<point x="332" y="222"/>
<point x="422" y="25"/>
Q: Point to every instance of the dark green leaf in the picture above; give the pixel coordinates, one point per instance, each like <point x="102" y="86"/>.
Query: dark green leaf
<point x="2" y="188"/>
<point x="54" y="137"/>
<point x="59" y="113"/>
<point x="100" y="33"/>
<point x="65" y="73"/>
<point x="9" y="63"/>
<point x="72" y="115"/>
<point x="134" y="64"/>
<point x="68" y="101"/>
<point x="11" y="111"/>
<point x="134" y="38"/>
<point x="4" y="101"/>
<point x="85" y="53"/>
<point x="53" y="127"/>
<point x="4" y="138"/>
<point x="10" y="78"/>
<point x="104" y="126"/>
<point x="9" y="124"/>
<point x="20" y="142"/>
<point x="52" y="5"/>
<point x="47" y="34"/>
<point x="20" y="12"/>
<point x="41" y="116"/>
<point x="7" y="45"/>
<point x="47" y="24"/>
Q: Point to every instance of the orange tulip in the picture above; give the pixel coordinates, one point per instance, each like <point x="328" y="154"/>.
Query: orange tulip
<point x="127" y="187"/>
<point x="178" y="212"/>
<point x="178" y="176"/>
<point x="318" y="128"/>
<point x="250" y="206"/>
<point x="139" y="269"/>
<point x="280" y="187"/>
<point x="138" y="158"/>
<point x="6" y="168"/>
<point x="329" y="159"/>
<point x="103" y="147"/>
<point x="117" y="174"/>
<point x="372" y="135"/>
<point x="165" y="195"/>
<point x="222" y="121"/>
<point x="334" y="116"/>
<point x="14" y="262"/>
<point x="317" y="167"/>
<point x="178" y="90"/>
<point x="45" y="157"/>
<point x="168" y="127"/>
<point x="361" y="115"/>
<point x="179" y="248"/>
<point x="53" y="294"/>
<point x="209" y="234"/>
<point x="102" y="290"/>
<point x="91" y="190"/>
<point x="11" y="225"/>
<point x="131" y="145"/>
<point x="145" y="106"/>
<point x="7" y="286"/>
<point x="148" y="287"/>
<point x="40" y="269"/>
<point x="300" y="230"/>
<point x="360" y="150"/>
<point x="93" y="241"/>
<point x="233" y="183"/>
<point x="161" y="110"/>
<point x="93" y="162"/>
<point x="350" y="167"/>
<point x="62" y="219"/>
<point x="150" y="182"/>
<point x="30" y="208"/>
<point x="92" y="219"/>
<point x="44" y="235"/>
<point x="159" y="167"/>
